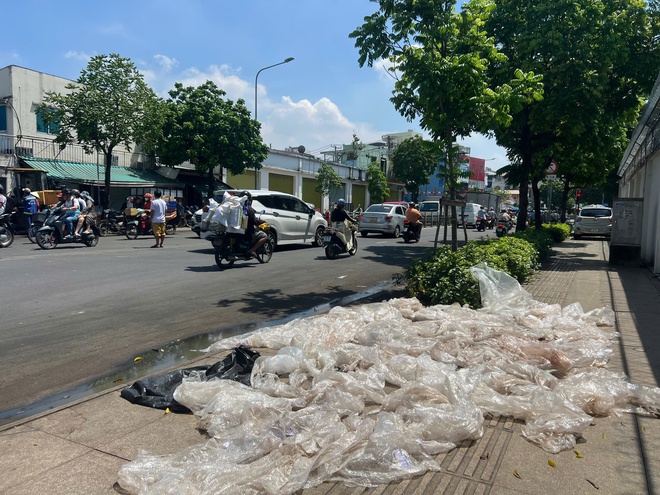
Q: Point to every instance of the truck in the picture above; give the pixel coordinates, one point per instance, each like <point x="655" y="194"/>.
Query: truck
<point x="485" y="199"/>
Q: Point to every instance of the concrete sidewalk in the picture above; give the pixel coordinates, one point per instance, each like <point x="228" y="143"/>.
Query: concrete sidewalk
<point x="78" y="449"/>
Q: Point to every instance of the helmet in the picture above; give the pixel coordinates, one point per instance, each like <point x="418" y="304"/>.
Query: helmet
<point x="341" y="202"/>
<point x="75" y="192"/>
<point x="247" y="194"/>
<point x="411" y="205"/>
<point x="148" y="196"/>
<point x="65" y="191"/>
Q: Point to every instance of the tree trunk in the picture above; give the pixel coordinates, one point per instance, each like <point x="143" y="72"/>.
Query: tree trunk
<point x="211" y="184"/>
<point x="105" y="199"/>
<point x="537" y="201"/>
<point x="564" y="197"/>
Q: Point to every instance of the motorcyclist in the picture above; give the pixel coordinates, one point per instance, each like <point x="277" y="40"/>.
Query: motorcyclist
<point x="414" y="218"/>
<point x="87" y="215"/>
<point x="72" y="211"/>
<point x="147" y="201"/>
<point x="481" y="215"/>
<point x="30" y="207"/>
<point x="257" y="237"/>
<point x="505" y="218"/>
<point x="3" y="200"/>
<point x="341" y="221"/>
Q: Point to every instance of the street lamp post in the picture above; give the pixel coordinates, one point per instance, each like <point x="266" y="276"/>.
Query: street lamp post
<point x="256" y="79"/>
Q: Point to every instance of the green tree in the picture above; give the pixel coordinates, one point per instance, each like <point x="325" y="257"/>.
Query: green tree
<point x="109" y="105"/>
<point x="377" y="185"/>
<point x="327" y="179"/>
<point x="440" y="60"/>
<point x="209" y="131"/>
<point x="414" y="162"/>
<point x="598" y="58"/>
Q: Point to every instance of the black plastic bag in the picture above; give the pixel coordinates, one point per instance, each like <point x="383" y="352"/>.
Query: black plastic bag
<point x="158" y="391"/>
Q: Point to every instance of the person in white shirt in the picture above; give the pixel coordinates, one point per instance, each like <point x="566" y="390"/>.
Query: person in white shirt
<point x="157" y="211"/>
<point x="3" y="200"/>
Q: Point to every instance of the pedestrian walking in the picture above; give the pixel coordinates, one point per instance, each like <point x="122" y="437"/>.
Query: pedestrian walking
<point x="157" y="211"/>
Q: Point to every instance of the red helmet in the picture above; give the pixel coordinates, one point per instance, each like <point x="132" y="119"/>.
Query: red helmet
<point x="148" y="196"/>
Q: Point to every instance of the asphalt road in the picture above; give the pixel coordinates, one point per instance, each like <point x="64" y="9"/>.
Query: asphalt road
<point x="73" y="319"/>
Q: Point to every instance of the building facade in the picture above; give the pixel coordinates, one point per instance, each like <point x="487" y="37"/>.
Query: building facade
<point x="639" y="176"/>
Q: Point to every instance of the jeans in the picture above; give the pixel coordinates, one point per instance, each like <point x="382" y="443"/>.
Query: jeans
<point x="69" y="220"/>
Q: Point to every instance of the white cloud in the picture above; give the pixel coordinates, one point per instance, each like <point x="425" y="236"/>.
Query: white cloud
<point x="80" y="56"/>
<point x="286" y="122"/>
<point x="167" y="63"/>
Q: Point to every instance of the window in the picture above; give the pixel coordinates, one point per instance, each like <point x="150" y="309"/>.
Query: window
<point x="3" y="119"/>
<point x="595" y="212"/>
<point x="42" y="116"/>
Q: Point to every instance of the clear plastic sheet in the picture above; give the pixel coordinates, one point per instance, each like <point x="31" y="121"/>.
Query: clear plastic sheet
<point x="373" y="393"/>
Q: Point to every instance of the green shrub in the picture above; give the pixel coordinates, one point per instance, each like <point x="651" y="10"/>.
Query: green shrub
<point x="444" y="277"/>
<point x="540" y="239"/>
<point x="558" y="231"/>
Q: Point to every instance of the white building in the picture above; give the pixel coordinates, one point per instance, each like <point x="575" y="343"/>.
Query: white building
<point x="639" y="173"/>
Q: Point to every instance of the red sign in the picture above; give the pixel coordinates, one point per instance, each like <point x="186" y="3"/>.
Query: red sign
<point x="552" y="169"/>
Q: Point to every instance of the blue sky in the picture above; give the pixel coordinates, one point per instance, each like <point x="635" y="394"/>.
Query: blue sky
<point x="318" y="100"/>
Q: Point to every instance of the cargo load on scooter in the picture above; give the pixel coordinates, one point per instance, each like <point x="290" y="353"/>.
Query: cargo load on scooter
<point x="228" y="216"/>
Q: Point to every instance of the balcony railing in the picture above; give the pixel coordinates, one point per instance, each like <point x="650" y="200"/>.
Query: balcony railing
<point x="49" y="150"/>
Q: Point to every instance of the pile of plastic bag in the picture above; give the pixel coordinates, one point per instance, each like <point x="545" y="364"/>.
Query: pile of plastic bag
<point x="230" y="215"/>
<point x="373" y="393"/>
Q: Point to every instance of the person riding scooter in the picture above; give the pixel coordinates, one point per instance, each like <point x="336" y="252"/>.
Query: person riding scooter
<point x="341" y="221"/>
<point x="414" y="218"/>
<point x="257" y="237"/>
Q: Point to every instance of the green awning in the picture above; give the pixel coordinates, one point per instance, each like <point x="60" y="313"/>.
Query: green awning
<point x="90" y="173"/>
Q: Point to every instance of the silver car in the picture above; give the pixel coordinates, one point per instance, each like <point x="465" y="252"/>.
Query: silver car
<point x="593" y="220"/>
<point x="382" y="219"/>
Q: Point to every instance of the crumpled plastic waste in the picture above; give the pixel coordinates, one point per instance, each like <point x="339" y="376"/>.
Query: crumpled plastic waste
<point x="158" y="391"/>
<point x="373" y="393"/>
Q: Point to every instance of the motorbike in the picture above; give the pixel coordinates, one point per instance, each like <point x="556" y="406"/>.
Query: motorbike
<point x="411" y="234"/>
<point x="140" y="224"/>
<point x="113" y="222"/>
<point x="230" y="246"/>
<point x="490" y="222"/>
<point x="38" y="220"/>
<point x="502" y="228"/>
<point x="6" y="231"/>
<point x="334" y="243"/>
<point x="481" y="224"/>
<point x="52" y="232"/>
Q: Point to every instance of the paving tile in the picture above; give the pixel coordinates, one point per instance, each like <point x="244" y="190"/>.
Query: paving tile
<point x="28" y="454"/>
<point x="168" y="434"/>
<point x="92" y="473"/>
<point x="97" y="422"/>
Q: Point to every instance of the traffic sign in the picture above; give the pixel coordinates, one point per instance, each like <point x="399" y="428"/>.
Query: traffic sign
<point x="552" y="169"/>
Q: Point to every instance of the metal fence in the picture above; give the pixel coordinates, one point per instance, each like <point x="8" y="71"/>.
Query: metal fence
<point x="49" y="150"/>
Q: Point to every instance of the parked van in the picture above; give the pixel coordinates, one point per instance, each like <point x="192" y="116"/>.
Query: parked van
<point x="430" y="211"/>
<point x="468" y="215"/>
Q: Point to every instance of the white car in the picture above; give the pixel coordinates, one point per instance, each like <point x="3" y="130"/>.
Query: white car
<point x="291" y="220"/>
<point x="593" y="220"/>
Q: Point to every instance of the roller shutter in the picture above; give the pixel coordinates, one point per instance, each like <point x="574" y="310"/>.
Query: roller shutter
<point x="360" y="196"/>
<point x="241" y="181"/>
<point x="281" y="183"/>
<point x="309" y="195"/>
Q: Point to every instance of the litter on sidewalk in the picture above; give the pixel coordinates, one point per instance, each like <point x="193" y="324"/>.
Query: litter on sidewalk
<point x="373" y="393"/>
